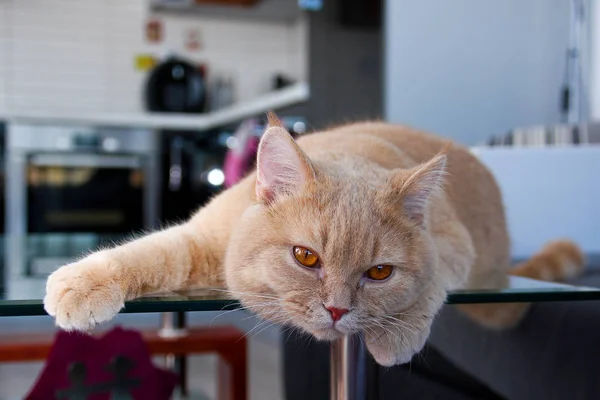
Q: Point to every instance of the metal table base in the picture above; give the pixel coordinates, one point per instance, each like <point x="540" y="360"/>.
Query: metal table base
<point x="350" y="370"/>
<point x="352" y="375"/>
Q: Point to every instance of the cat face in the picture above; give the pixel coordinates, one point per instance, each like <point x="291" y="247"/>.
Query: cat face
<point x="333" y="248"/>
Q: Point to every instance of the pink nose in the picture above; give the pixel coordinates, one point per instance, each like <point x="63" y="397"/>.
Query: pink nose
<point x="337" y="313"/>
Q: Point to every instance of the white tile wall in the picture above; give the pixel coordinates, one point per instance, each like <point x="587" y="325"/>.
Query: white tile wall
<point x="57" y="55"/>
<point x="252" y="52"/>
<point x="78" y="55"/>
<point x="298" y="52"/>
<point x="4" y="43"/>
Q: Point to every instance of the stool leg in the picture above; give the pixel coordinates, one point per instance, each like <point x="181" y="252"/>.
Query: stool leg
<point x="348" y="369"/>
<point x="181" y="362"/>
<point x="232" y="373"/>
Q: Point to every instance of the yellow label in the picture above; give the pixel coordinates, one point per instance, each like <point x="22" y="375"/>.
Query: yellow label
<point x="144" y="62"/>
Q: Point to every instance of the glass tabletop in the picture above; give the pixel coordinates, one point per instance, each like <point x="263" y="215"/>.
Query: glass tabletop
<point x="21" y="296"/>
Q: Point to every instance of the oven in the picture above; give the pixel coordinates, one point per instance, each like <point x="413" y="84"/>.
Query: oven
<point x="71" y="189"/>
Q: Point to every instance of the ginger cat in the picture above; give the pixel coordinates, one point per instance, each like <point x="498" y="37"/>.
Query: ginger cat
<point x="362" y="228"/>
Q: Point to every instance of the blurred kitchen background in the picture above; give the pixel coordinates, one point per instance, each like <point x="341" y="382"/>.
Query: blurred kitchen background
<point x="117" y="116"/>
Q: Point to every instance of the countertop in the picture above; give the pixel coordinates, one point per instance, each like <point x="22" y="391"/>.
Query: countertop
<point x="291" y="95"/>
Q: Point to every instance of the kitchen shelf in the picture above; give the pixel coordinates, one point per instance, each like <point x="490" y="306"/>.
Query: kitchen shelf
<point x="278" y="99"/>
<point x="274" y="11"/>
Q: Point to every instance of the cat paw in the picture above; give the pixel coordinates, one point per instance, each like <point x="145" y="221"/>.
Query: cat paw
<point x="390" y="348"/>
<point x="83" y="294"/>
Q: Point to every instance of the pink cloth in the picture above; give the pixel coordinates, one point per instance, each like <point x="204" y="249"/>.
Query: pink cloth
<point x="139" y="377"/>
<point x="240" y="159"/>
<point x="237" y="165"/>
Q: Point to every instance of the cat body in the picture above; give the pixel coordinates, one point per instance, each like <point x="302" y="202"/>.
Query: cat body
<point x="361" y="228"/>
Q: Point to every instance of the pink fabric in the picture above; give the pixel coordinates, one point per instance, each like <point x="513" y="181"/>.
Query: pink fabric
<point x="96" y="355"/>
<point x="240" y="159"/>
<point x="237" y="165"/>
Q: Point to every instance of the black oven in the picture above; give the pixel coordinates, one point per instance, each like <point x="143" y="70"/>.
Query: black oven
<point x="74" y="188"/>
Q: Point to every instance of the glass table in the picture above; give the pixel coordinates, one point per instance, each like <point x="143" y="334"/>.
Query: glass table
<point x="23" y="297"/>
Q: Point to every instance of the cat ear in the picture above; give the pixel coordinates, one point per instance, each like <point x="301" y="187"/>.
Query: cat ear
<point x="417" y="185"/>
<point x="282" y="167"/>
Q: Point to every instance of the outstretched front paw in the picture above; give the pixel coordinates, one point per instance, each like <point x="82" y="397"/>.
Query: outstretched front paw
<point x="83" y="294"/>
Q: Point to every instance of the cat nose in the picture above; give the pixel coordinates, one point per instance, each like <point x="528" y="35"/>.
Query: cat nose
<point x="337" y="313"/>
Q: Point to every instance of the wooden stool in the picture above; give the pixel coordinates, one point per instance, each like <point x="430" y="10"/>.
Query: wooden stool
<point x="228" y="342"/>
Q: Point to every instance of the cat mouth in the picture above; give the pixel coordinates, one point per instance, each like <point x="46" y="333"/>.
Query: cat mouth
<point x="327" y="333"/>
<point x="330" y="332"/>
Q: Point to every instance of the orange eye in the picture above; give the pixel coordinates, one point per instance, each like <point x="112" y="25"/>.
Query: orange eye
<point x="306" y="257"/>
<point x="379" y="272"/>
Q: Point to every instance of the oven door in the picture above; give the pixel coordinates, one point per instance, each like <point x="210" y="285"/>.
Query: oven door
<point x="80" y="201"/>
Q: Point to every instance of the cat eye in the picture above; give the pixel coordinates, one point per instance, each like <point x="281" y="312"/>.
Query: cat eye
<point x="306" y="257"/>
<point x="379" y="272"/>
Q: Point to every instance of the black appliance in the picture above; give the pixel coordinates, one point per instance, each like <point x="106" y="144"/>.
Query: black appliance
<point x="73" y="188"/>
<point x="192" y="166"/>
<point x="176" y="85"/>
<point x="191" y="171"/>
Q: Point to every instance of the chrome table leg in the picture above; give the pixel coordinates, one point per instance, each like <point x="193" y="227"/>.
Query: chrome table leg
<point x="348" y="370"/>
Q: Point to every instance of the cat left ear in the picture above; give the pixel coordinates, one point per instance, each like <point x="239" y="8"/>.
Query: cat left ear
<point x="417" y="185"/>
<point x="282" y="167"/>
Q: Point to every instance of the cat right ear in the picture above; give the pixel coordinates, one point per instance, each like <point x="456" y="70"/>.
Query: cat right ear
<point x="282" y="168"/>
<point x="415" y="187"/>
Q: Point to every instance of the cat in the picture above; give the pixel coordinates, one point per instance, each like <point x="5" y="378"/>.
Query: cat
<point x="362" y="228"/>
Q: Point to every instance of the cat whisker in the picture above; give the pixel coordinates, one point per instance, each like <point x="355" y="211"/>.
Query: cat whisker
<point x="273" y="314"/>
<point x="251" y="330"/>
<point x="392" y="320"/>
<point x="386" y="329"/>
<point x="267" y="326"/>
<point x="402" y="326"/>
<point x="294" y="330"/>
<point x="370" y="330"/>
<point x="406" y="314"/>
<point x="257" y="295"/>
<point x="267" y="312"/>
<point x="270" y="325"/>
<point x="223" y="313"/>
<point x="409" y="327"/>
<point x="261" y="304"/>
<point x="264" y="323"/>
<point x="252" y="303"/>
<point x="259" y="324"/>
<point x="385" y="324"/>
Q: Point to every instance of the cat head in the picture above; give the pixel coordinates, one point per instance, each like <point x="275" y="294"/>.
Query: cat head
<point x="332" y="246"/>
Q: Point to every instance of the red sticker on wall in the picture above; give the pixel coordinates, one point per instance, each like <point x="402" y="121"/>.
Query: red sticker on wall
<point x="154" y="31"/>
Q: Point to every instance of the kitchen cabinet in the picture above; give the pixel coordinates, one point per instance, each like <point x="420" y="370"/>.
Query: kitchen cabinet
<point x="285" y="11"/>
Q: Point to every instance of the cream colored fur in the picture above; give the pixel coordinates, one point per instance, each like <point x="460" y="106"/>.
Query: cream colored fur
<point x="358" y="196"/>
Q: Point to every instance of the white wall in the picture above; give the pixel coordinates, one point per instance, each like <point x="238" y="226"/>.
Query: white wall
<point x="595" y="60"/>
<point x="78" y="56"/>
<point x="544" y="199"/>
<point x="251" y="50"/>
<point x="4" y="33"/>
<point x="468" y="69"/>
